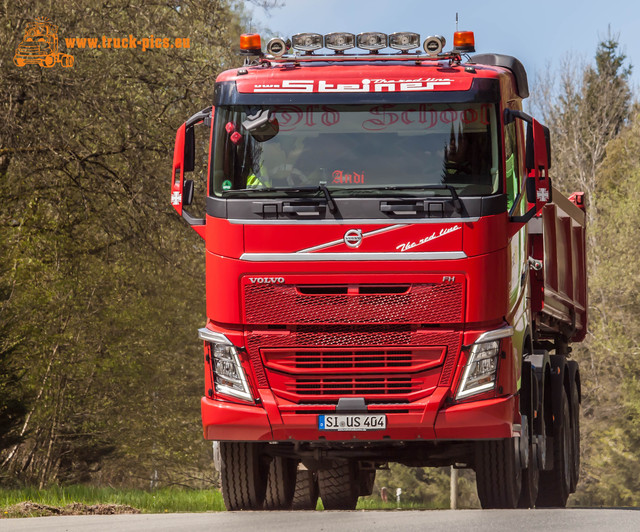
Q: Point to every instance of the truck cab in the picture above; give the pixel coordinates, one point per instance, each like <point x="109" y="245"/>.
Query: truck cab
<point x="377" y="284"/>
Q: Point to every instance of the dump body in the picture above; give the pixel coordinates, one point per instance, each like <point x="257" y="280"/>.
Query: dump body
<point x="559" y="289"/>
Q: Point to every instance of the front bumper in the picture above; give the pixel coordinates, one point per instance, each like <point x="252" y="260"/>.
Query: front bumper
<point x="428" y="419"/>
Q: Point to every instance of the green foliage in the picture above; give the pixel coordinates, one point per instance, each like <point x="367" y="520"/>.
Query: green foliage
<point x="101" y="285"/>
<point x="612" y="434"/>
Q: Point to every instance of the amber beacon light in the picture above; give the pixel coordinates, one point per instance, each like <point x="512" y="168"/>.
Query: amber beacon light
<point x="250" y="42"/>
<point x="464" y="41"/>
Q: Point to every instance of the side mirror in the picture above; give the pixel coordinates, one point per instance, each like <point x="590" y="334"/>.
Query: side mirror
<point x="538" y="162"/>
<point x="187" y="192"/>
<point x="541" y="160"/>
<point x="182" y="189"/>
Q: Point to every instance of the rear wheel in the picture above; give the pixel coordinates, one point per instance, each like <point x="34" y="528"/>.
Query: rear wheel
<point x="366" y="479"/>
<point x="339" y="487"/>
<point x="243" y="474"/>
<point x="555" y="485"/>
<point x="575" y="436"/>
<point x="305" y="496"/>
<point x="530" y="480"/>
<point x="281" y="483"/>
<point x="498" y="473"/>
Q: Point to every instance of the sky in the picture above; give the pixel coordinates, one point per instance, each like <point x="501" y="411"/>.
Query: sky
<point x="540" y="33"/>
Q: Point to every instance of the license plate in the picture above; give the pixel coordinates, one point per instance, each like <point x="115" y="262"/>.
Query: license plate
<point x="352" y="422"/>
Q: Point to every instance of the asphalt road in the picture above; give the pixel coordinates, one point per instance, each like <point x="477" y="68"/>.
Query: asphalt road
<point x="601" y="520"/>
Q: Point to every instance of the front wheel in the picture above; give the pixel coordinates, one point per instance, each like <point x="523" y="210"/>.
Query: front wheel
<point x="243" y="474"/>
<point x="339" y="487"/>
<point x="498" y="473"/>
<point x="305" y="496"/>
<point x="281" y="483"/>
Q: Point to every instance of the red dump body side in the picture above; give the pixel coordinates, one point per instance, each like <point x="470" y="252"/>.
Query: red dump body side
<point x="559" y="289"/>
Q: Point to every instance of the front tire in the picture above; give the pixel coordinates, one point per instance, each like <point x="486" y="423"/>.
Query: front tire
<point x="243" y="474"/>
<point x="339" y="487"/>
<point x="498" y="474"/>
<point x="305" y="496"/>
<point x="281" y="483"/>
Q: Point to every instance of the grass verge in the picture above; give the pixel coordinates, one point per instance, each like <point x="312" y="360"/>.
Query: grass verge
<point x="69" y="499"/>
<point x="156" y="501"/>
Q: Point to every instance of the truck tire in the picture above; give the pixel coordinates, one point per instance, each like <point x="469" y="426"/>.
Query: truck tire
<point x="555" y="485"/>
<point x="366" y="479"/>
<point x="530" y="480"/>
<point x="498" y="474"/>
<point x="575" y="436"/>
<point x="305" y="496"/>
<point x="339" y="487"/>
<point x="281" y="483"/>
<point x="243" y="474"/>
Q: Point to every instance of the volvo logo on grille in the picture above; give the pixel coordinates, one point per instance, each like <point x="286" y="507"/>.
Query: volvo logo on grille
<point x="266" y="280"/>
<point x="353" y="238"/>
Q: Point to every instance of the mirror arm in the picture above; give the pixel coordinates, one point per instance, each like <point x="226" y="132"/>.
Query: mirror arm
<point x="525" y="217"/>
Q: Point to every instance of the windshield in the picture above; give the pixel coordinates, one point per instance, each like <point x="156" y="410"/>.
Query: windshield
<point x="355" y="149"/>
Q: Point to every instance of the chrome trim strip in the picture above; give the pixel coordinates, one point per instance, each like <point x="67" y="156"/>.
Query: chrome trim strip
<point x="294" y="257"/>
<point x="489" y="336"/>
<point x="209" y="336"/>
<point x="336" y="242"/>
<point x="370" y="221"/>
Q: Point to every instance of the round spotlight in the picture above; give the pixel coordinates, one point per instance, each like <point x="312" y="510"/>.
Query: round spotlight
<point x="404" y="40"/>
<point x="434" y="44"/>
<point x="372" y="41"/>
<point x="307" y="42"/>
<point x="277" y="47"/>
<point x="339" y="41"/>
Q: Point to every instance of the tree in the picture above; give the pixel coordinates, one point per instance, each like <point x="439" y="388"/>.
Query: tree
<point x="590" y="108"/>
<point x="101" y="285"/>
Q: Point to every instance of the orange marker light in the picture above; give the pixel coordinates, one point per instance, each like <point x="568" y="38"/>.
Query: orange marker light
<point x="464" y="41"/>
<point x="250" y="41"/>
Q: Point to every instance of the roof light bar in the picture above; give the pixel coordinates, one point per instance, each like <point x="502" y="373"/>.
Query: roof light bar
<point x="464" y="42"/>
<point x="307" y="42"/>
<point x="339" y="41"/>
<point x="404" y="40"/>
<point x="372" y="41"/>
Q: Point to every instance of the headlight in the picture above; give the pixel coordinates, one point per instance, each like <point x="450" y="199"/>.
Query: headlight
<point x="480" y="373"/>
<point x="482" y="366"/>
<point x="228" y="376"/>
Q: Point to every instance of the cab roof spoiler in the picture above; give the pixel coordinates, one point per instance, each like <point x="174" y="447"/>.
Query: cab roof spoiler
<point x="509" y="62"/>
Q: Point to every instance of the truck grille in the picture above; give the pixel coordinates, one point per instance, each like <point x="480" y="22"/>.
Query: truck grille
<point x="289" y="304"/>
<point x="325" y="363"/>
<point x="355" y="386"/>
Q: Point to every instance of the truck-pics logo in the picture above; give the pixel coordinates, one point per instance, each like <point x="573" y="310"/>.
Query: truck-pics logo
<point x="39" y="46"/>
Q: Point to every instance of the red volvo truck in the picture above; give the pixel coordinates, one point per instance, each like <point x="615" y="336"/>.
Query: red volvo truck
<point x="391" y="276"/>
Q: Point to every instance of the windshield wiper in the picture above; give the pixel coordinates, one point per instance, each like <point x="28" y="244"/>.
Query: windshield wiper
<point x="322" y="187"/>
<point x="454" y="195"/>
